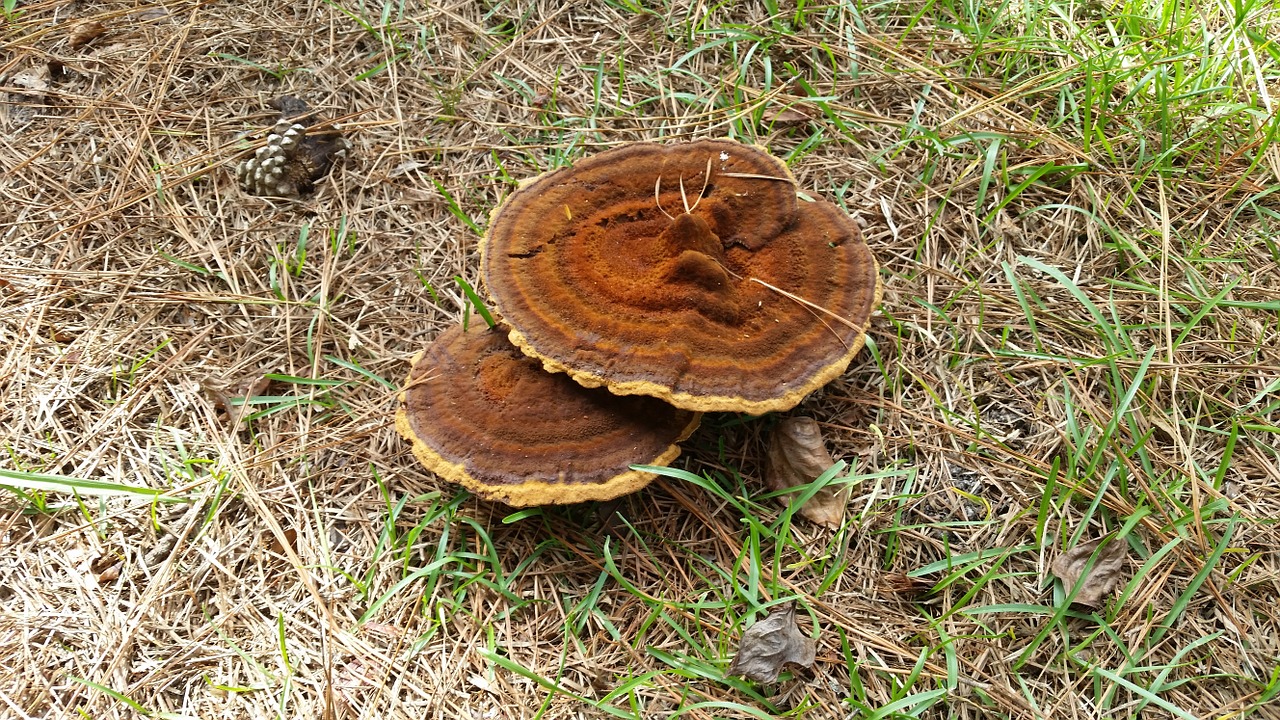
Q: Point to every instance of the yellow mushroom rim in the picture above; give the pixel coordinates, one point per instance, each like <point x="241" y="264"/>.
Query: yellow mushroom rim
<point x="481" y="414"/>
<point x="689" y="273"/>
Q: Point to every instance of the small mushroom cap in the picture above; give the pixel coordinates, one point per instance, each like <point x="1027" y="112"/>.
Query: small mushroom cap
<point x="667" y="292"/>
<point x="482" y="414"/>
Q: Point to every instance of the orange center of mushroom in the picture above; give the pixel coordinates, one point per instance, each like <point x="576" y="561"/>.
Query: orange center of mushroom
<point x="698" y="261"/>
<point x="649" y="261"/>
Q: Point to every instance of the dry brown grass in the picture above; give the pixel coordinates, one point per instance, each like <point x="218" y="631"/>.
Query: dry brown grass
<point x="114" y="358"/>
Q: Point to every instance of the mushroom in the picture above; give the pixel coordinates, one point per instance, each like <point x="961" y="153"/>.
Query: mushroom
<point x="482" y="414"/>
<point x="687" y="272"/>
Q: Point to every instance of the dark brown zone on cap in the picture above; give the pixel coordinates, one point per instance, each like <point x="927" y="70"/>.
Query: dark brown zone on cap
<point x="489" y="417"/>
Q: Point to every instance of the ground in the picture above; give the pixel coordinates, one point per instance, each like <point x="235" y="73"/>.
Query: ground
<point x="1074" y="208"/>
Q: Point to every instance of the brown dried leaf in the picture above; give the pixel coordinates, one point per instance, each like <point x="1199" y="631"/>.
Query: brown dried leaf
<point x="797" y="456"/>
<point x="223" y="397"/>
<point x="1102" y="578"/>
<point x="784" y="118"/>
<point x="386" y="631"/>
<point x="257" y="387"/>
<point x="217" y="396"/>
<point x="290" y="107"/>
<point x="290" y="536"/>
<point x="770" y="644"/>
<point x="903" y="584"/>
<point x="102" y="562"/>
<point x="111" y="574"/>
<point x="83" y="33"/>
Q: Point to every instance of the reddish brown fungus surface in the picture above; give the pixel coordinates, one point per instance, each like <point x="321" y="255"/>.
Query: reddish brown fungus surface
<point x="481" y="413"/>
<point x="644" y="269"/>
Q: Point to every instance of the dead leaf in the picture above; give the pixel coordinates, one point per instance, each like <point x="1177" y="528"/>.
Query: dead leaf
<point x="111" y="574"/>
<point x="770" y="644"/>
<point x="32" y="82"/>
<point x="903" y="584"/>
<point x="257" y="387"/>
<point x="223" y="398"/>
<point x="290" y="536"/>
<point x="103" y="562"/>
<point x="83" y="33"/>
<point x="1103" y="576"/>
<point x="149" y="14"/>
<point x="797" y="456"/>
<point x="217" y="395"/>
<point x="29" y="94"/>
<point x="784" y="118"/>
<point x="386" y="631"/>
<point x="73" y="357"/>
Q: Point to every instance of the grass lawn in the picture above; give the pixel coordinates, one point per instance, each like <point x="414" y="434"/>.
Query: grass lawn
<point x="205" y="511"/>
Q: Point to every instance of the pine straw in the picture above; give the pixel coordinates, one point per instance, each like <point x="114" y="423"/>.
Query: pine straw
<point x="117" y="362"/>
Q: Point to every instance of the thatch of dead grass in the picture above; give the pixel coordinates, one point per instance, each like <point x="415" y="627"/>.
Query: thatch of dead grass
<point x="1073" y="208"/>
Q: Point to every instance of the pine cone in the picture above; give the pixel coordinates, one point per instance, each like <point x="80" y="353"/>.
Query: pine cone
<point x="295" y="156"/>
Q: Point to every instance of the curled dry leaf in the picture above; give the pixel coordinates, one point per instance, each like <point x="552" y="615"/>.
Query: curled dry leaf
<point x="797" y="456"/>
<point x="85" y="32"/>
<point x="111" y="574"/>
<point x="1101" y="579"/>
<point x="770" y="644"/>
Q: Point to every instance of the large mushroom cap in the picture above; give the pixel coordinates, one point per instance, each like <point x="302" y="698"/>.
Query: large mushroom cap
<point x="482" y="414"/>
<point x="603" y="275"/>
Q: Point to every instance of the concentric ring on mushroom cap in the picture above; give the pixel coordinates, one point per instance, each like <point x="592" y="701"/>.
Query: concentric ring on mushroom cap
<point x="615" y="284"/>
<point x="482" y="414"/>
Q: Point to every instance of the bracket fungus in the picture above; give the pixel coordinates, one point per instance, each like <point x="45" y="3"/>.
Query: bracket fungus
<point x="687" y="272"/>
<point x="482" y="414"/>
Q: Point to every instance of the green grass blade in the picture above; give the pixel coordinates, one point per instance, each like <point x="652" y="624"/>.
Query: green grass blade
<point x="63" y="483"/>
